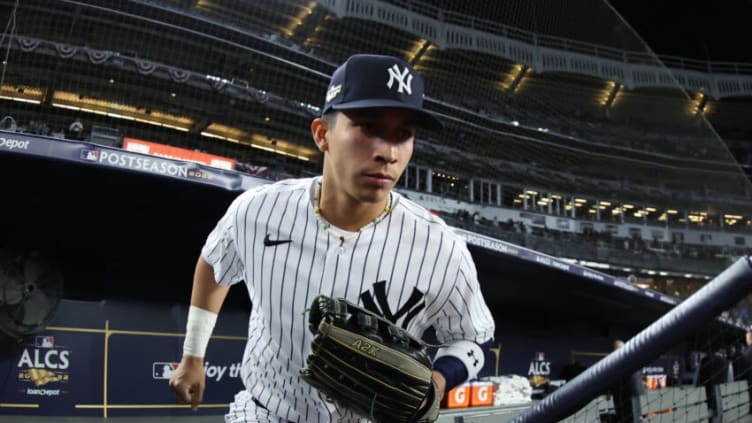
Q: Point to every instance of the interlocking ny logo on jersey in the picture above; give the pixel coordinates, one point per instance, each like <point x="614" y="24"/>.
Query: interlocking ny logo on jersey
<point x="410" y="309"/>
<point x="404" y="79"/>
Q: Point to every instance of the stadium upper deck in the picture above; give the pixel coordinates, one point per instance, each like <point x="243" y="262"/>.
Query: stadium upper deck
<point x="193" y="73"/>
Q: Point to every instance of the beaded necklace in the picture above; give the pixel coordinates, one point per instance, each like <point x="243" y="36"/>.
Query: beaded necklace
<point x="341" y="234"/>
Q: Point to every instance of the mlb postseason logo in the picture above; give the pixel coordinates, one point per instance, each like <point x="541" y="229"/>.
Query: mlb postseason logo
<point x="162" y="369"/>
<point x="90" y="155"/>
<point x="44" y="342"/>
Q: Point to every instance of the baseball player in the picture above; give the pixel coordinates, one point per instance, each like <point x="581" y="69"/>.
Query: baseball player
<point x="343" y="234"/>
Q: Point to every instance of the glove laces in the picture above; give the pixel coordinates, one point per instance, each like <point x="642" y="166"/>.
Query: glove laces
<point x="373" y="405"/>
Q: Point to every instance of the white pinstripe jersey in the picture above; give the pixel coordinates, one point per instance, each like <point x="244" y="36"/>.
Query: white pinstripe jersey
<point x="410" y="265"/>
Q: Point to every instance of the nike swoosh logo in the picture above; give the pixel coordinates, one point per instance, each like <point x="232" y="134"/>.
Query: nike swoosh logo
<point x="272" y="242"/>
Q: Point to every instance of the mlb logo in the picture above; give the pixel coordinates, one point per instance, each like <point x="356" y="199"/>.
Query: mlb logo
<point x="162" y="370"/>
<point x="44" y="341"/>
<point x="539" y="356"/>
<point x="91" y="155"/>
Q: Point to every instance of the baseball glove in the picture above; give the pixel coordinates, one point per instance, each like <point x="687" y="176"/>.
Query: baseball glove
<point x="363" y="362"/>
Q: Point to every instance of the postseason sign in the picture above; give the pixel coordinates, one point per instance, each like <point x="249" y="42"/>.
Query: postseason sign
<point x="216" y="173"/>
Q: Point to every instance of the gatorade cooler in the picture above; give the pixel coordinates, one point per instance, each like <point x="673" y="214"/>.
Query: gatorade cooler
<point x="458" y="397"/>
<point x="481" y="394"/>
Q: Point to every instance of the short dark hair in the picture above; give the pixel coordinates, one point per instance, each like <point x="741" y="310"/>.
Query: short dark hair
<point x="330" y="118"/>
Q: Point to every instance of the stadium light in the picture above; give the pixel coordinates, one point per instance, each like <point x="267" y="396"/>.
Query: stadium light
<point x="418" y="50"/>
<point x="595" y="264"/>
<point x="297" y="21"/>
<point x="22" y="93"/>
<point x="257" y="141"/>
<point x="20" y="99"/>
<point x="698" y="104"/>
<point x="77" y="102"/>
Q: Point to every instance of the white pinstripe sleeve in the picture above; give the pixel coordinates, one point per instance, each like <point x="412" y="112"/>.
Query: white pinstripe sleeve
<point x="220" y="249"/>
<point x="465" y="315"/>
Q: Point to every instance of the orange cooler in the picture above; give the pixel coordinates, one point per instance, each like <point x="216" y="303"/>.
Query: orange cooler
<point x="481" y="394"/>
<point x="458" y="397"/>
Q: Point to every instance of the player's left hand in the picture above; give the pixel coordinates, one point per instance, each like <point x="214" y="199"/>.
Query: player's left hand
<point x="361" y="361"/>
<point x="440" y="384"/>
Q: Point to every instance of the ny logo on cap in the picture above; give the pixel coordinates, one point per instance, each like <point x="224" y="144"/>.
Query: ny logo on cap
<point x="396" y="75"/>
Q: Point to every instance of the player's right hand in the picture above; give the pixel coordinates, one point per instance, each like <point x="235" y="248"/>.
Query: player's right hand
<point x="188" y="381"/>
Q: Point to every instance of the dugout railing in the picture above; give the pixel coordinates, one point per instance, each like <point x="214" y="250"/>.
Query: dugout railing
<point x="680" y="404"/>
<point x="685" y="404"/>
<point x="733" y="400"/>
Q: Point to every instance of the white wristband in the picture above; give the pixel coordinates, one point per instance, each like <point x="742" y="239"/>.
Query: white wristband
<point x="198" y="331"/>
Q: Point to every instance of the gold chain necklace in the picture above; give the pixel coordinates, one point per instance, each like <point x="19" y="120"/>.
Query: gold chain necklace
<point x="339" y="233"/>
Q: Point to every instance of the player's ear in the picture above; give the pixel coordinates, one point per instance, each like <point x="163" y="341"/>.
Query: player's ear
<point x="319" y="130"/>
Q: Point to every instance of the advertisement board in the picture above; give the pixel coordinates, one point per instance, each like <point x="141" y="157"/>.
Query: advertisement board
<point x="177" y="153"/>
<point x="82" y="365"/>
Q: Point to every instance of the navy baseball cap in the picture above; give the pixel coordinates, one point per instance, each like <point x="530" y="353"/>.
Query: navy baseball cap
<point x="369" y="80"/>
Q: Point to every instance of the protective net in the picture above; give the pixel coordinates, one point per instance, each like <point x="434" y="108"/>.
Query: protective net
<point x="564" y="132"/>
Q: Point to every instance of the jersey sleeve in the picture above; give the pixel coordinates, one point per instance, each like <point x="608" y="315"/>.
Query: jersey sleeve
<point x="465" y="315"/>
<point x="220" y="249"/>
